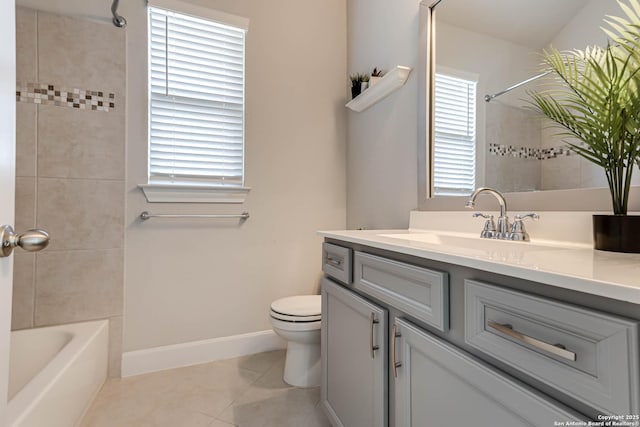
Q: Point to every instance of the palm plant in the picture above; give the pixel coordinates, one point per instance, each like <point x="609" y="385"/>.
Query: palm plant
<point x="594" y="95"/>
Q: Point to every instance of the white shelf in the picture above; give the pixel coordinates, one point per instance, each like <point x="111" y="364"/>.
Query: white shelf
<point x="391" y="81"/>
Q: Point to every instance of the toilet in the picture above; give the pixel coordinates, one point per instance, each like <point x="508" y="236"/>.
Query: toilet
<point x="297" y="320"/>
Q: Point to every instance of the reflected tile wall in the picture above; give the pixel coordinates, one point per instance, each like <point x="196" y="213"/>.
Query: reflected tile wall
<point x="511" y="126"/>
<point x="525" y="153"/>
<point x="70" y="172"/>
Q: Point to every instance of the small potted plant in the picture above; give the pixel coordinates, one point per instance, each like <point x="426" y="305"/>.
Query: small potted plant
<point x="356" y="86"/>
<point x="364" y="81"/>
<point x="376" y="76"/>
<point x="594" y="98"/>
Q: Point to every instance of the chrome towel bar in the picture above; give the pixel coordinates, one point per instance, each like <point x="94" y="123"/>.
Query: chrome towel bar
<point x="147" y="215"/>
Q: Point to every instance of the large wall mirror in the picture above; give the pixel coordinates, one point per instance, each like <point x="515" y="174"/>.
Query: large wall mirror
<point x="483" y="56"/>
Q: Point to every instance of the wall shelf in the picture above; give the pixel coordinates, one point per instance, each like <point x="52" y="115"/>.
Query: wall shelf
<point x="391" y="81"/>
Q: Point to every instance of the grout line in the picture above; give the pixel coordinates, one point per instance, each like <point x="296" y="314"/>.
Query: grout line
<point x="249" y="387"/>
<point x="69" y="322"/>
<point x="82" y="179"/>
<point x="34" y="290"/>
<point x="35" y="202"/>
<point x="54" y="250"/>
<point x="37" y="46"/>
<point x="258" y="372"/>
<point x="224" y="422"/>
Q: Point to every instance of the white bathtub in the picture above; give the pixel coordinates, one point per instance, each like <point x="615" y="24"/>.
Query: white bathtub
<point x="55" y="373"/>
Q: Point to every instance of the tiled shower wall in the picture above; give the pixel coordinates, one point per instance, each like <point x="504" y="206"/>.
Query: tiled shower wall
<point x="70" y="172"/>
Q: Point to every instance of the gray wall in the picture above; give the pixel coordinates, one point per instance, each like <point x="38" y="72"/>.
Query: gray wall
<point x="382" y="141"/>
<point x="70" y="172"/>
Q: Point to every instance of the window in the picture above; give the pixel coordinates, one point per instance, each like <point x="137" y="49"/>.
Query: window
<point x="196" y="103"/>
<point x="455" y="136"/>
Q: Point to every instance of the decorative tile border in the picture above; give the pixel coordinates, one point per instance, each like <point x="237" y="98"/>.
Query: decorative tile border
<point x="528" y="152"/>
<point x="40" y="93"/>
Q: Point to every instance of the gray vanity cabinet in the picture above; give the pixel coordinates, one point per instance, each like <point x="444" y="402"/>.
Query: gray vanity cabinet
<point x="354" y="359"/>
<point x="427" y="377"/>
<point x="439" y="385"/>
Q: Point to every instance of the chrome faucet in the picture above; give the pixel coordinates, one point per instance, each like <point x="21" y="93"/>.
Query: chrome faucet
<point x="502" y="229"/>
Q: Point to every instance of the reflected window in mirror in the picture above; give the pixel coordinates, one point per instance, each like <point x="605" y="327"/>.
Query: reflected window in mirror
<point x="455" y="133"/>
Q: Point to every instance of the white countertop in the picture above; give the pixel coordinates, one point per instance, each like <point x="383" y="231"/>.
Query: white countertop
<point x="571" y="266"/>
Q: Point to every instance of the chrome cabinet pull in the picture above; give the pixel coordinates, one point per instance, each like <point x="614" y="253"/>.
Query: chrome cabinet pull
<point x="555" y="349"/>
<point x="333" y="261"/>
<point x="373" y="321"/>
<point x="395" y="334"/>
<point x="31" y="240"/>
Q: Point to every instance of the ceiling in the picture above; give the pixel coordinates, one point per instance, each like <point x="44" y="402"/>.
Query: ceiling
<point x="530" y="23"/>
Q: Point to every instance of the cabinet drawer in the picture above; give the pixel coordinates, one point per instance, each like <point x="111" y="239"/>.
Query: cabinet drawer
<point x="419" y="292"/>
<point x="336" y="262"/>
<point x="588" y="355"/>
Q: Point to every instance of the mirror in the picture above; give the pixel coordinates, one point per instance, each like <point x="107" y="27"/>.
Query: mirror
<point x="484" y="57"/>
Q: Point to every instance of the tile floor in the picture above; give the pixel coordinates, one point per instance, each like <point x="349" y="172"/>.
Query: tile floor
<point x="244" y="392"/>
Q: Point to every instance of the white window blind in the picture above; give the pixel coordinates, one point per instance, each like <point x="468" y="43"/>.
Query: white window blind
<point x="196" y="100"/>
<point x="455" y="135"/>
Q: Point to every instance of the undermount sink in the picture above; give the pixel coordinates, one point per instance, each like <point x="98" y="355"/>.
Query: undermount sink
<point x="476" y="244"/>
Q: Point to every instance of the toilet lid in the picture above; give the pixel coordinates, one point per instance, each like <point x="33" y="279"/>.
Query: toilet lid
<point x="298" y="306"/>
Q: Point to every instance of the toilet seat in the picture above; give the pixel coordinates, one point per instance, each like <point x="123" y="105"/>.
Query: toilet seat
<point x="298" y="309"/>
<point x="297" y="320"/>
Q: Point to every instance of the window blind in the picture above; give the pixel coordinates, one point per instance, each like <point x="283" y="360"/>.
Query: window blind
<point x="455" y="135"/>
<point x="196" y="100"/>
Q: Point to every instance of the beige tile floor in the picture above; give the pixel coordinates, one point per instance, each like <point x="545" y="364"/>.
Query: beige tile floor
<point x="243" y="392"/>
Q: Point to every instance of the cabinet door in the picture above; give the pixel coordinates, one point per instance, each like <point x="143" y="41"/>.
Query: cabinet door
<point x="438" y="385"/>
<point x="354" y="331"/>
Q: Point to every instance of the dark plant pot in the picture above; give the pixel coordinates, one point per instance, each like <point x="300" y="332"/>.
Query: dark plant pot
<point x="355" y="90"/>
<point x="617" y="233"/>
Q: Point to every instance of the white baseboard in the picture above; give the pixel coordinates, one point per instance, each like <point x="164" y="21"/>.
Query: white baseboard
<point x="196" y="352"/>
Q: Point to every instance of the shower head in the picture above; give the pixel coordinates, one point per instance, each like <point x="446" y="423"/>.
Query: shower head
<point x="118" y="20"/>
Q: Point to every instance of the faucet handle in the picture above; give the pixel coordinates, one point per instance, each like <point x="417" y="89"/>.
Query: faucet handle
<point x="477" y="214"/>
<point x="518" y="231"/>
<point x="489" y="230"/>
<point x="532" y="215"/>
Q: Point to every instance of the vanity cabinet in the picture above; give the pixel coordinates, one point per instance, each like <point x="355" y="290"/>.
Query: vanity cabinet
<point x="438" y="385"/>
<point x="586" y="354"/>
<point x="397" y="352"/>
<point x="354" y="358"/>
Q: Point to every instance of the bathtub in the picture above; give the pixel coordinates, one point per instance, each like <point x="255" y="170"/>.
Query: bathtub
<point x="55" y="373"/>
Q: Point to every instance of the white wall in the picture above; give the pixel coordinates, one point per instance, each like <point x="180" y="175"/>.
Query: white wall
<point x="193" y="280"/>
<point x="585" y="28"/>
